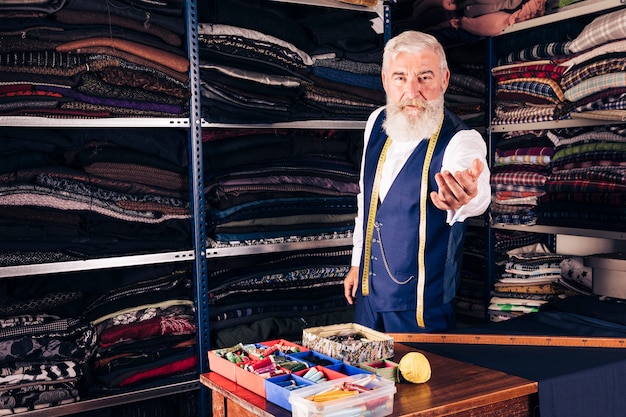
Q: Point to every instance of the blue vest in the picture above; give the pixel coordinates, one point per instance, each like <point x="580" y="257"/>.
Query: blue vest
<point x="395" y="249"/>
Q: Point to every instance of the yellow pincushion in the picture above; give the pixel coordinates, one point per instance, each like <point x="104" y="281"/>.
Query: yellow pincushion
<point x="414" y="367"/>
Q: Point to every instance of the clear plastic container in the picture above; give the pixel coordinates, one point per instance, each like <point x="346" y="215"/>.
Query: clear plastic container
<point x="376" y="402"/>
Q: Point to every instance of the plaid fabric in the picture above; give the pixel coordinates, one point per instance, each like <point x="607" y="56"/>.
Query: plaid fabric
<point x="600" y="51"/>
<point x="512" y="215"/>
<point x="588" y="148"/>
<point x="607" y="115"/>
<point x="529" y="70"/>
<point x="594" y="85"/>
<point x="606" y="103"/>
<point x="518" y="201"/>
<point x="468" y="82"/>
<point x="585" y="197"/>
<point x="566" y="186"/>
<point x="601" y="30"/>
<point x="523" y="160"/>
<point x="599" y="134"/>
<point x="597" y="173"/>
<point x="582" y="73"/>
<point x="607" y="217"/>
<point x="548" y="50"/>
<point x="590" y="159"/>
<point x="538" y="87"/>
<point x="535" y="150"/>
<point x="523" y="114"/>
<point x="531" y="179"/>
<point x="516" y="190"/>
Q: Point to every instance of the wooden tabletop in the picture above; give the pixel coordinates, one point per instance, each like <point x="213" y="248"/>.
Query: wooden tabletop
<point x="454" y="387"/>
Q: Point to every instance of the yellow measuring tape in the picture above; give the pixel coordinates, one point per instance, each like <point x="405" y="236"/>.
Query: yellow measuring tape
<point x="371" y="218"/>
<point x="369" y="230"/>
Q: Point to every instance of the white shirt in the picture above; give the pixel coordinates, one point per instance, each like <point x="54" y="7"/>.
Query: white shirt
<point x="463" y="148"/>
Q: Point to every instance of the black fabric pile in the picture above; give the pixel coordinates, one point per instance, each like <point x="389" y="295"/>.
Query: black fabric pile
<point x="85" y="59"/>
<point x="146" y="331"/>
<point x="262" y="62"/>
<point x="76" y="194"/>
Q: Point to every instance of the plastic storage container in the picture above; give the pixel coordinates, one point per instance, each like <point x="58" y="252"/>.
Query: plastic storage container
<point x="376" y="402"/>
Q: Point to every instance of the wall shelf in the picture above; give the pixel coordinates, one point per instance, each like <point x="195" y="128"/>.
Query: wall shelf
<point x="276" y="247"/>
<point x="114" y="122"/>
<point x="114" y="400"/>
<point x="97" y="263"/>
<point x="558" y="230"/>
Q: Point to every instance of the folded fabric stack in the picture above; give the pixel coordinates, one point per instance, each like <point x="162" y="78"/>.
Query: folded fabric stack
<point x="268" y="186"/>
<point x="588" y="179"/>
<point x="528" y="74"/>
<point x="44" y="351"/>
<point x="275" y="296"/>
<point x="85" y="59"/>
<point x="575" y="72"/>
<point x="527" y="281"/>
<point x="74" y="194"/>
<point x="466" y="91"/>
<point x="300" y="63"/>
<point x="595" y="82"/>
<point x="146" y="331"/>
<point x="528" y="91"/>
<point x="521" y="167"/>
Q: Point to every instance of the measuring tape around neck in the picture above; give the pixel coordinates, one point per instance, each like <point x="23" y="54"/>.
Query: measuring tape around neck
<point x="371" y="218"/>
<point x="421" y="250"/>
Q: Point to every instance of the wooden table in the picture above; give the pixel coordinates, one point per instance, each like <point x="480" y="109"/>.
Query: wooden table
<point x="456" y="389"/>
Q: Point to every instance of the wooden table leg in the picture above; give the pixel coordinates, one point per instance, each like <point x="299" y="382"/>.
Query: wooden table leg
<point x="219" y="404"/>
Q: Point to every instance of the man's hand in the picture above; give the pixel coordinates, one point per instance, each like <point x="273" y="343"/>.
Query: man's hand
<point x="456" y="189"/>
<point x="350" y="284"/>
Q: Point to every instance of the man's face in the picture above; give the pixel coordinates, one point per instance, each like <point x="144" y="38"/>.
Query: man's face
<point x="413" y="79"/>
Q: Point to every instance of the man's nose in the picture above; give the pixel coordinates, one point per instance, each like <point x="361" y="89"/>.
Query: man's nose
<point x="414" y="89"/>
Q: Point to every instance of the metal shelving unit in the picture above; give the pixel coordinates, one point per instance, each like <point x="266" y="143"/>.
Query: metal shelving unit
<point x="576" y="10"/>
<point x="115" y="400"/>
<point x="383" y="11"/>
<point x="196" y="255"/>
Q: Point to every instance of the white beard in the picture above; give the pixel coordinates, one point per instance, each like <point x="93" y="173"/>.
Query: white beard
<point x="413" y="128"/>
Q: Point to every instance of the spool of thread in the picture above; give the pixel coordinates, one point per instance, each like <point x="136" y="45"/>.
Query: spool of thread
<point x="414" y="367"/>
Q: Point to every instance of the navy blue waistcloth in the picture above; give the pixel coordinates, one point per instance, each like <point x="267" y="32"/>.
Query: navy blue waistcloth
<point x="572" y="381"/>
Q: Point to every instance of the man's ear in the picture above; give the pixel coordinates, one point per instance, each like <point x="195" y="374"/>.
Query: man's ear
<point x="445" y="80"/>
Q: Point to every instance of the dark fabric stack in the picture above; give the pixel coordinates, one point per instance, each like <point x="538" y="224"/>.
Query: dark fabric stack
<point x="44" y="348"/>
<point x="265" y="186"/>
<point x="262" y="63"/>
<point x="276" y="295"/>
<point x="518" y="176"/>
<point x="146" y="331"/>
<point x="85" y="59"/>
<point x="278" y="187"/>
<point x="466" y="94"/>
<point x="588" y="179"/>
<point x="77" y="194"/>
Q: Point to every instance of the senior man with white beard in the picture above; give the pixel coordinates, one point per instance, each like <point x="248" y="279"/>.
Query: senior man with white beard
<point x="423" y="173"/>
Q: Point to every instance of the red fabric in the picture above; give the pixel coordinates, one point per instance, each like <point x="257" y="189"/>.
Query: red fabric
<point x="161" y="371"/>
<point x="157" y="326"/>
